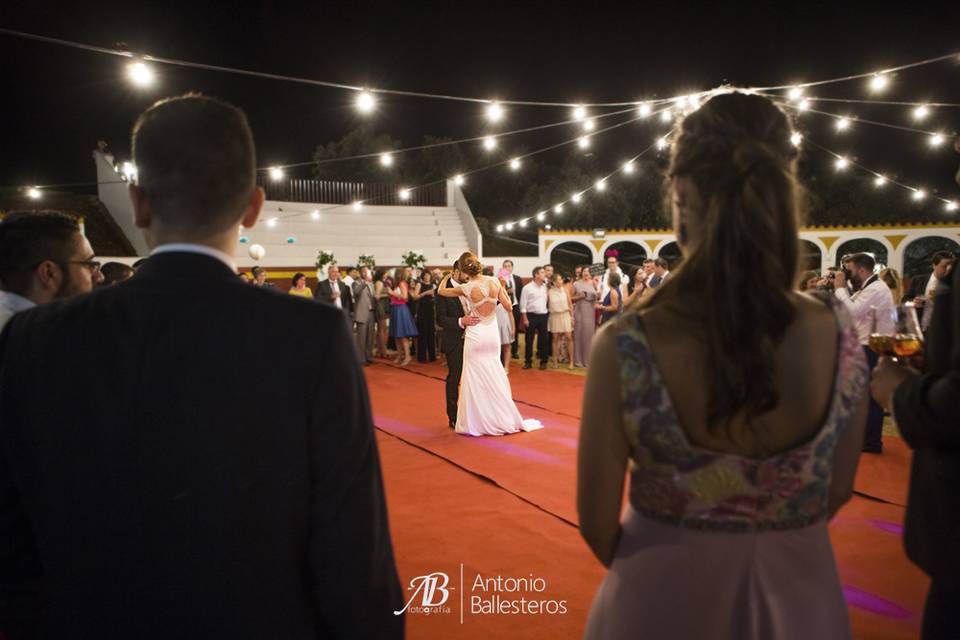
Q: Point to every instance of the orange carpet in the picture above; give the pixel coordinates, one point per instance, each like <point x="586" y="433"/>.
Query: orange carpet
<point x="505" y="507"/>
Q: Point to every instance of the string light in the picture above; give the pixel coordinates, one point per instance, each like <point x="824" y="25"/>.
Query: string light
<point x="316" y="214"/>
<point x="509" y="226"/>
<point x="628" y="167"/>
<point x="880" y="181"/>
<point x="140" y="74"/>
<point x="644" y="110"/>
<point x="576" y="198"/>
<point x="579" y="112"/>
<point x="515" y="164"/>
<point x="357" y="205"/>
<point x="919" y="194"/>
<point x="459" y="180"/>
<point x="666" y="115"/>
<point x="489" y="143"/>
<point x="499" y="228"/>
<point x="843" y="124"/>
<point x="921" y="112"/>
<point x="879" y="82"/>
<point x="386" y="159"/>
<point x="662" y="143"/>
<point x="600" y="185"/>
<point x="558" y="209"/>
<point x="589" y="124"/>
<point x="796" y="138"/>
<point x="936" y="140"/>
<point x="583" y="142"/>
<point x="952" y="205"/>
<point x="803" y="105"/>
<point x="795" y="93"/>
<point x="276" y="174"/>
<point x="841" y="163"/>
<point x="523" y="222"/>
<point x="34" y="193"/>
<point x="547" y="227"/>
<point x="272" y="222"/>
<point x="495" y="112"/>
<point x="365" y="102"/>
<point x="541" y="215"/>
<point x="129" y="171"/>
<point x="404" y="194"/>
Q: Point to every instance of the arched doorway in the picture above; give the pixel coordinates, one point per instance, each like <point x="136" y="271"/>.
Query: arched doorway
<point x="811" y="257"/>
<point x="671" y="253"/>
<point x="630" y="255"/>
<point x="863" y="245"/>
<point x="566" y="256"/>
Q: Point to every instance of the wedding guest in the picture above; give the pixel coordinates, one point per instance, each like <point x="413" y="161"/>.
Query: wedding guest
<point x="514" y="290"/>
<point x="661" y="271"/>
<point x="871" y="299"/>
<point x="560" y="322"/>
<point x="43" y="257"/>
<point x="736" y="405"/>
<point x="891" y="278"/>
<point x="299" y="286"/>
<point x="585" y="296"/>
<point x="426" y="318"/>
<point x="382" y="285"/>
<point x="260" y="278"/>
<point x="402" y="326"/>
<point x="504" y="322"/>
<point x="612" y="304"/>
<point x="364" y="303"/>
<point x="114" y="272"/>
<point x="613" y="266"/>
<point x="808" y="281"/>
<point x="533" y="318"/>
<point x="942" y="262"/>
<point x="245" y="277"/>
<point x="155" y="501"/>
<point x="334" y="291"/>
<point x="637" y="289"/>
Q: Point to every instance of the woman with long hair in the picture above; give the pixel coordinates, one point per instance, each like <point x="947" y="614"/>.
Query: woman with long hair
<point x="611" y="304"/>
<point x="382" y="284"/>
<point x="891" y="278"/>
<point x="737" y="404"/>
<point x="402" y="327"/>
<point x="560" y="322"/>
<point x="808" y="281"/>
<point x="584" y="298"/>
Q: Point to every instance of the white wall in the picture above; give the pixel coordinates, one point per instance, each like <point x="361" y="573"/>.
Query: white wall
<point x="112" y="191"/>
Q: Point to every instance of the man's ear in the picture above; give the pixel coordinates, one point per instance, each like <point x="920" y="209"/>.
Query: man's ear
<point x="142" y="215"/>
<point x="252" y="212"/>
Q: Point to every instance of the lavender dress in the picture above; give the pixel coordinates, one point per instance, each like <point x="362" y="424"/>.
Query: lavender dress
<point x="715" y="545"/>
<point x="585" y="320"/>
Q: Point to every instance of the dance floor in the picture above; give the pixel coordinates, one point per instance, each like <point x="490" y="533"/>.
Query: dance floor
<point x="476" y="509"/>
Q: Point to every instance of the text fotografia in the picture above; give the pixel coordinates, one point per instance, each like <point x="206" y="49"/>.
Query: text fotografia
<point x="513" y="596"/>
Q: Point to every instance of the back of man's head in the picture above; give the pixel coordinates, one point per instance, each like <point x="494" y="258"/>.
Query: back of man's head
<point x="662" y="263"/>
<point x="861" y="261"/>
<point x="196" y="163"/>
<point x="30" y="238"/>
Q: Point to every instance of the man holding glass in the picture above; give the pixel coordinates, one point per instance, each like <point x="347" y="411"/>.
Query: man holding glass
<point x="870" y="299"/>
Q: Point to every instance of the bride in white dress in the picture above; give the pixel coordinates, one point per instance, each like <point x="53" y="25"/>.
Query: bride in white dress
<point x="486" y="405"/>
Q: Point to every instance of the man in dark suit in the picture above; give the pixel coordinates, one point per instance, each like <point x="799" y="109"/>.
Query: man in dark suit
<point x="516" y="287"/>
<point x="924" y="406"/>
<point x="147" y="490"/>
<point x="334" y="291"/>
<point x="450" y="317"/>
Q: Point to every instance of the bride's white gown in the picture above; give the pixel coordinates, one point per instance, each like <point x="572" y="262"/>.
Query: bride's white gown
<point x="486" y="407"/>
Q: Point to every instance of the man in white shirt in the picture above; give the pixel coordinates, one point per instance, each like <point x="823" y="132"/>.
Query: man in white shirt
<point x="533" y="318"/>
<point x="43" y="257"/>
<point x="942" y="261"/>
<point x="871" y="298"/>
<point x="613" y="266"/>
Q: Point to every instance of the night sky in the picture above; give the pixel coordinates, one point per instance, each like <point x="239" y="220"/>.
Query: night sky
<point x="59" y="102"/>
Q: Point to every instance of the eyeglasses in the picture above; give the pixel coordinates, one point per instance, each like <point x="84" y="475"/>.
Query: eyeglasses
<point x="92" y="265"/>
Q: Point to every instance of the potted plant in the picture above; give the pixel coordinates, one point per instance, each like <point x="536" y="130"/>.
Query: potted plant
<point x="413" y="259"/>
<point x="367" y="261"/>
<point x="323" y="259"/>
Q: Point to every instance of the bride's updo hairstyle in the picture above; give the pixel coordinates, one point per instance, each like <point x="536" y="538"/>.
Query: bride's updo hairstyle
<point x="470" y="265"/>
<point x="741" y="266"/>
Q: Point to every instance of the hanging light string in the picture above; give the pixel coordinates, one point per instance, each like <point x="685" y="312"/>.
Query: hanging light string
<point x="842" y="162"/>
<point x="850" y="120"/>
<point x="627" y="167"/>
<point x="460" y="178"/>
<point x="417" y="94"/>
<point x="894" y="103"/>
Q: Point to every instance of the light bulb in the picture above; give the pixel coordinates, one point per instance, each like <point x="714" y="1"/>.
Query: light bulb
<point x="494" y="112"/>
<point x="558" y="208"/>
<point x="589" y="124"/>
<point x="579" y="112"/>
<point x="644" y="110"/>
<point x="130" y="171"/>
<point x="34" y="193"/>
<point x="575" y="198"/>
<point x="952" y="205"/>
<point x="583" y="142"/>
<point x="386" y="159"/>
<point x="919" y="194"/>
<point x="841" y="163"/>
<point x="499" y="228"/>
<point x="140" y="74"/>
<point x="459" y="180"/>
<point x="843" y="124"/>
<point x="666" y="115"/>
<point x="795" y="93"/>
<point x="803" y="105"/>
<point x="628" y="167"/>
<point x="276" y="173"/>
<point x="600" y="185"/>
<point x="509" y="226"/>
<point x="541" y="215"/>
<point x="547" y="227"/>
<point x="365" y="102"/>
<point x="272" y="222"/>
<point x="523" y="222"/>
<point x="404" y="194"/>
<point x="357" y="205"/>
<point x="796" y="138"/>
<point x="879" y="82"/>
<point x="515" y="164"/>
<point x="936" y="140"/>
<point x="315" y="215"/>
<point x="921" y="112"/>
<point x="879" y="181"/>
<point x="662" y="143"/>
<point x="489" y="143"/>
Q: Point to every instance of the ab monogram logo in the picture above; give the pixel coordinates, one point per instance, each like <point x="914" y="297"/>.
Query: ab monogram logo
<point x="430" y="594"/>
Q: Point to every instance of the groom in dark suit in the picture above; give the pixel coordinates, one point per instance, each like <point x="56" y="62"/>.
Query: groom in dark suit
<point x="450" y="317"/>
<point x="176" y="459"/>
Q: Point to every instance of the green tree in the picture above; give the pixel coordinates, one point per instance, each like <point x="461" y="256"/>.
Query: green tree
<point x="360" y="141"/>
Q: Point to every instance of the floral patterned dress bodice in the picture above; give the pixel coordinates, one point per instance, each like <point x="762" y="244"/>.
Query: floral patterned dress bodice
<point x="674" y="481"/>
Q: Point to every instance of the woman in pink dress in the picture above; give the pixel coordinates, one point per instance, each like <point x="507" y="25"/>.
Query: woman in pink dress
<point x="739" y="409"/>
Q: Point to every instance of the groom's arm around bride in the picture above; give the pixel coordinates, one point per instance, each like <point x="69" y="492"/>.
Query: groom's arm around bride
<point x="450" y="318"/>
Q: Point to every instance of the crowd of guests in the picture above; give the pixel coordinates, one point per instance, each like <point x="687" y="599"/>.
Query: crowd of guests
<point x="141" y="497"/>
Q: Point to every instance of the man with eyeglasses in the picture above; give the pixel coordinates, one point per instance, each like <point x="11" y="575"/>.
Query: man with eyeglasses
<point x="43" y="257"/>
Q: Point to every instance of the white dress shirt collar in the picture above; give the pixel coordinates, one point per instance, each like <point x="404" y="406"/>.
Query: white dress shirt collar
<point x="202" y="249"/>
<point x="11" y="303"/>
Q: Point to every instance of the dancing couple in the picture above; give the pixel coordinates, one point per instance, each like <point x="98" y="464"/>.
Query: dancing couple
<point x="478" y="396"/>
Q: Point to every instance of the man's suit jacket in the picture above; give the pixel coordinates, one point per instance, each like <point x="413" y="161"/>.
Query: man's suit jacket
<point x="925" y="408"/>
<point x="363" y="301"/>
<point x="449" y="312"/>
<point x="325" y="289"/>
<point x="517" y="289"/>
<point x="177" y="461"/>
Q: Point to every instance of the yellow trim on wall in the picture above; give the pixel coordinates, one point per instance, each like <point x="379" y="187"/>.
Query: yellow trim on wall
<point x="598" y="244"/>
<point x="547" y="243"/>
<point x="828" y="241"/>
<point x="896" y="240"/>
<point x="867" y="227"/>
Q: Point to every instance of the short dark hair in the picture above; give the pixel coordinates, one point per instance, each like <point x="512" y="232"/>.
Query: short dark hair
<point x="114" y="272"/>
<point x="549" y="264"/>
<point x="536" y="270"/>
<point x="662" y="263"/>
<point x="649" y="261"/>
<point x="506" y="261"/>
<point x="256" y="270"/>
<point x="296" y="277"/>
<point x="195" y="162"/>
<point x="862" y="260"/>
<point x="940" y="256"/>
<point x="28" y="238"/>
